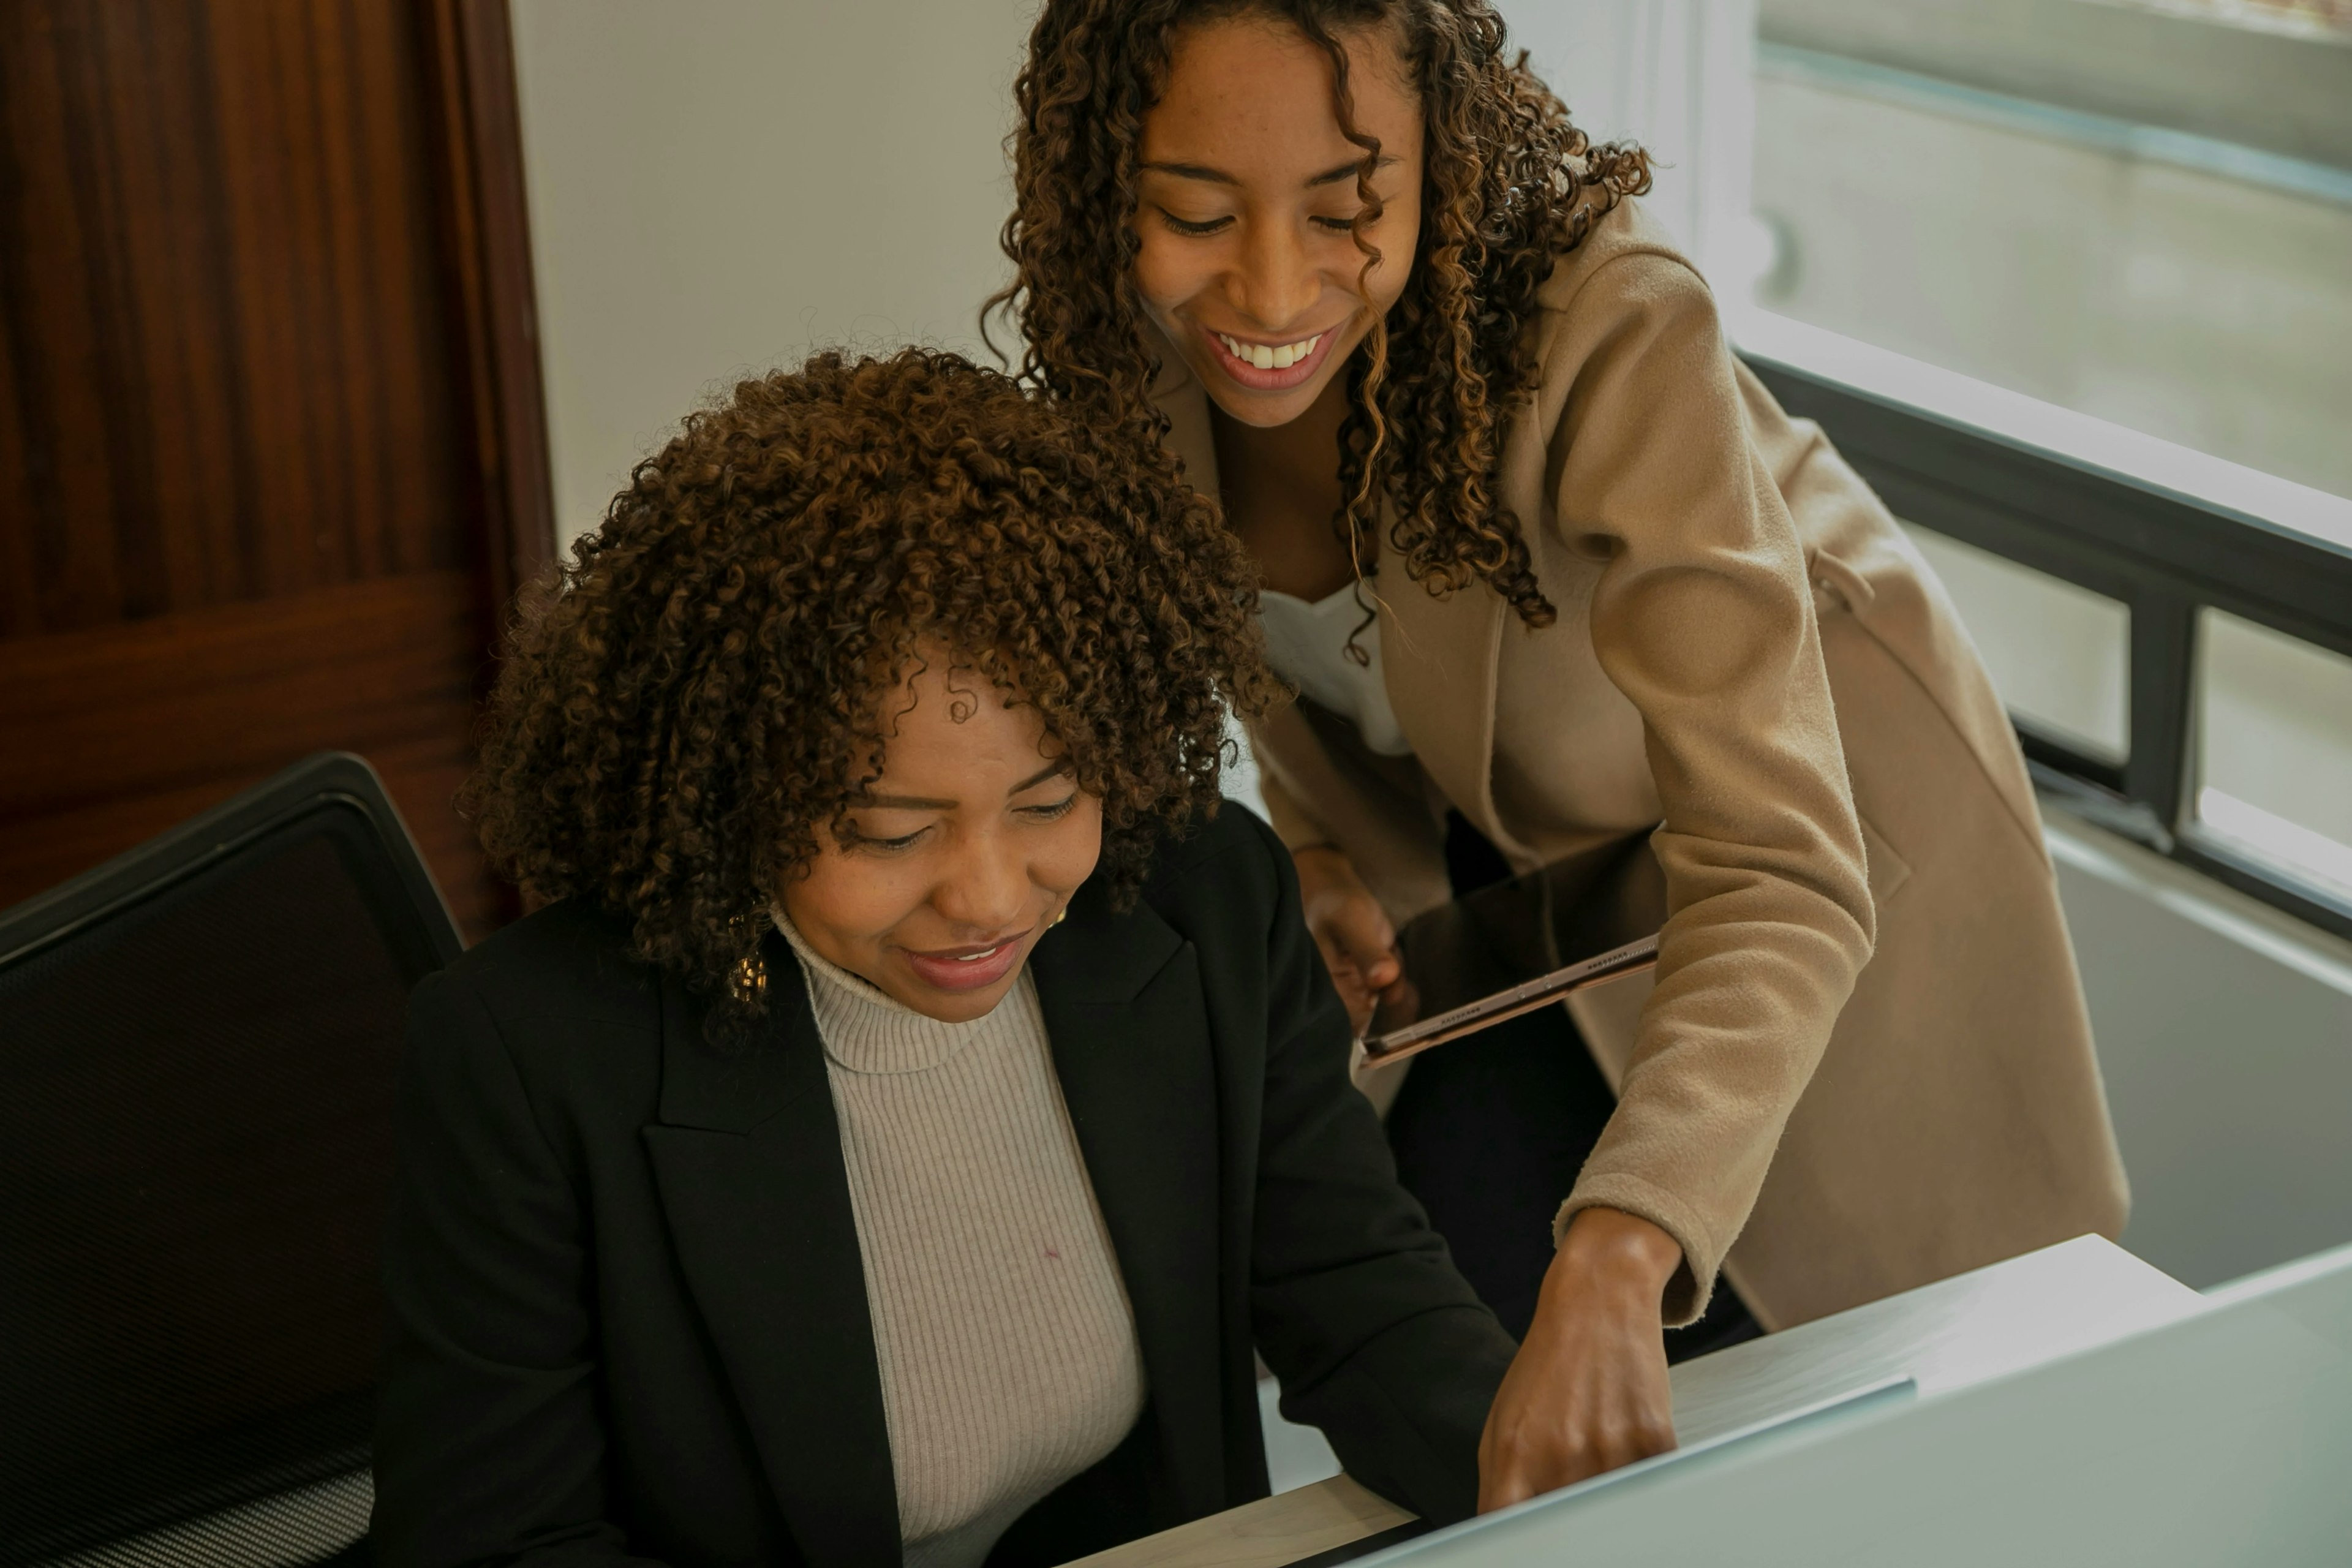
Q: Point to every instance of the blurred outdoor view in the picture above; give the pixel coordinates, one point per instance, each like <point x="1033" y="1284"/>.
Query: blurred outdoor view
<point x="2140" y="210"/>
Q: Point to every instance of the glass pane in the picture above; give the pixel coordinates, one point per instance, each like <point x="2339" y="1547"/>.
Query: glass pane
<point x="2140" y="213"/>
<point x="2274" y="747"/>
<point x="2060" y="655"/>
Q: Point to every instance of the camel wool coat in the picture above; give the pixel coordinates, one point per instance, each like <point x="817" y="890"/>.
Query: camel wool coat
<point x="1863" y="1062"/>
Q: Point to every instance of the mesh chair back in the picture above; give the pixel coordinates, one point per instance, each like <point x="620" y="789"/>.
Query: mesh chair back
<point x="197" y="1050"/>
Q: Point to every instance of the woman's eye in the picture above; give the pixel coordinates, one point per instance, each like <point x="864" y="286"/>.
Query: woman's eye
<point x="1183" y="226"/>
<point x="1054" y="812"/>
<point x="868" y="843"/>
<point x="1337" y="225"/>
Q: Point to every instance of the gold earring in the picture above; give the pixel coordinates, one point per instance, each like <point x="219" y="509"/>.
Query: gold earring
<point x="1059" y="916"/>
<point x="749" y="979"/>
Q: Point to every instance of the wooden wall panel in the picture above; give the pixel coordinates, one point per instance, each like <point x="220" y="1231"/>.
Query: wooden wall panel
<point x="486" y="242"/>
<point x="159" y="720"/>
<point x="231" y="345"/>
<point x="272" y="454"/>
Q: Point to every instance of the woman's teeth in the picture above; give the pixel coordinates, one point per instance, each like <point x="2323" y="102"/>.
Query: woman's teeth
<point x="1264" y="358"/>
<point x="976" y="957"/>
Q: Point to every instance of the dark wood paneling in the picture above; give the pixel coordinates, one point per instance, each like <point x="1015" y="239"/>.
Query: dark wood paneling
<point x="486" y="247"/>
<point x="227" y="329"/>
<point x="136" y="728"/>
<point x="272" y="453"/>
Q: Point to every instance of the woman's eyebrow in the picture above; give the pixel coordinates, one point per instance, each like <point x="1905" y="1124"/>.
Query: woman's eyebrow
<point x="1331" y="177"/>
<point x="1347" y="171"/>
<point x="1193" y="171"/>
<point x="926" y="802"/>
<point x="1040" y="776"/>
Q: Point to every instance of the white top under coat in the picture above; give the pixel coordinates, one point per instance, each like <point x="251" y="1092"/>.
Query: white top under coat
<point x="1307" y="646"/>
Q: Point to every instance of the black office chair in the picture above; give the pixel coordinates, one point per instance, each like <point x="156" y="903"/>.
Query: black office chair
<point x="197" y="1050"/>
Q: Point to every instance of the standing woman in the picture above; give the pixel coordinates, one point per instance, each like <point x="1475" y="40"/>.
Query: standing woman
<point x="1550" y="568"/>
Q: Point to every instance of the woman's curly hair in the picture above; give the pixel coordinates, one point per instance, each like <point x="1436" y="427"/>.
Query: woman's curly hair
<point x="702" y="687"/>
<point x="1510" y="186"/>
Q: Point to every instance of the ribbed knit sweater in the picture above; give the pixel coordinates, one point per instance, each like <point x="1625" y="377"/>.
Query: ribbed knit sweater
<point x="1007" y="1346"/>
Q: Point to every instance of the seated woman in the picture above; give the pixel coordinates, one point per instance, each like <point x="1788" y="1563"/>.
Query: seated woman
<point x="918" y="1098"/>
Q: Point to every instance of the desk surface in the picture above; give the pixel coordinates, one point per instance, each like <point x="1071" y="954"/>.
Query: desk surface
<point x="1267" y="1533"/>
<point x="1944" y="1336"/>
<point x="1957" y="1331"/>
<point x="2224" y="1437"/>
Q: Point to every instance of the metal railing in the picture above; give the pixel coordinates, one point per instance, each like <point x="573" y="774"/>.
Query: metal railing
<point x="2163" y="555"/>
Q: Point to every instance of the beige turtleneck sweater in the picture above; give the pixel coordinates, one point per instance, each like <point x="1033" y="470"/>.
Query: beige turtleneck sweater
<point x="1007" y="1346"/>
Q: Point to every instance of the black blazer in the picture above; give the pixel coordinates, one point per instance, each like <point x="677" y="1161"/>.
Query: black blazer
<point x="628" y="1316"/>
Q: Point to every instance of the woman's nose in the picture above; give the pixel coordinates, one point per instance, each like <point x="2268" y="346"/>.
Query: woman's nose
<point x="987" y="886"/>
<point x="1279" y="283"/>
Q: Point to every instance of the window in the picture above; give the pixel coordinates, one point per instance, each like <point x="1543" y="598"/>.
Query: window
<point x="2274" y="749"/>
<point x="2139" y="211"/>
<point x="2059" y="655"/>
<point x="2070" y="281"/>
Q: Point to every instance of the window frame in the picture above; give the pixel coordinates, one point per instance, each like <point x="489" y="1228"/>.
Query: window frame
<point x="2165" y="555"/>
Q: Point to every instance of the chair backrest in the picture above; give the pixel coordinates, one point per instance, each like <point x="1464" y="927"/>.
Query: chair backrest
<point x="198" y="1042"/>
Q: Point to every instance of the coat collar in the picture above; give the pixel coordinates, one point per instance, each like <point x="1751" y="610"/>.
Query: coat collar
<point x="1440" y="658"/>
<point x="747" y="1158"/>
<point x="1129" y="1029"/>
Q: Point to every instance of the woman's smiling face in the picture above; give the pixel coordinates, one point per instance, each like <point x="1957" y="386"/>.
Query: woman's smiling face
<point x="965" y="850"/>
<point x="1244" y="197"/>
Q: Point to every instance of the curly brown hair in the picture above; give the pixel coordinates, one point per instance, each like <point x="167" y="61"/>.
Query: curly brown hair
<point x="1510" y="186"/>
<point x="701" y="687"/>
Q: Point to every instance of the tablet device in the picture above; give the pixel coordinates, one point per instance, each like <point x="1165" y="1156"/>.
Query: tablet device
<point x="1522" y="944"/>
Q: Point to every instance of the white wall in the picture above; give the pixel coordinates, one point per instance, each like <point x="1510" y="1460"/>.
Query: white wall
<point x="1678" y="77"/>
<point x="719" y="185"/>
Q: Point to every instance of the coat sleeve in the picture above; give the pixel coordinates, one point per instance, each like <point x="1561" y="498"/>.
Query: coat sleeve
<point x="1356" y="1305"/>
<point x="1702" y="615"/>
<point x="489" y="1446"/>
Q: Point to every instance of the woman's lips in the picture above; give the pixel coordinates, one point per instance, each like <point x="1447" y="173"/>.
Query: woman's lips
<point x="1297" y="373"/>
<point x="967" y="968"/>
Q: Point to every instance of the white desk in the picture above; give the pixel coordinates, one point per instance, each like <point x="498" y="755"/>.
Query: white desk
<point x="1945" y="1336"/>
<point x="2224" y="1437"/>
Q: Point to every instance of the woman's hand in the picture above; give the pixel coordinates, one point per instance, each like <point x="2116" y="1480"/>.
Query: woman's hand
<point x="1588" y="1390"/>
<point x="1358" y="943"/>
